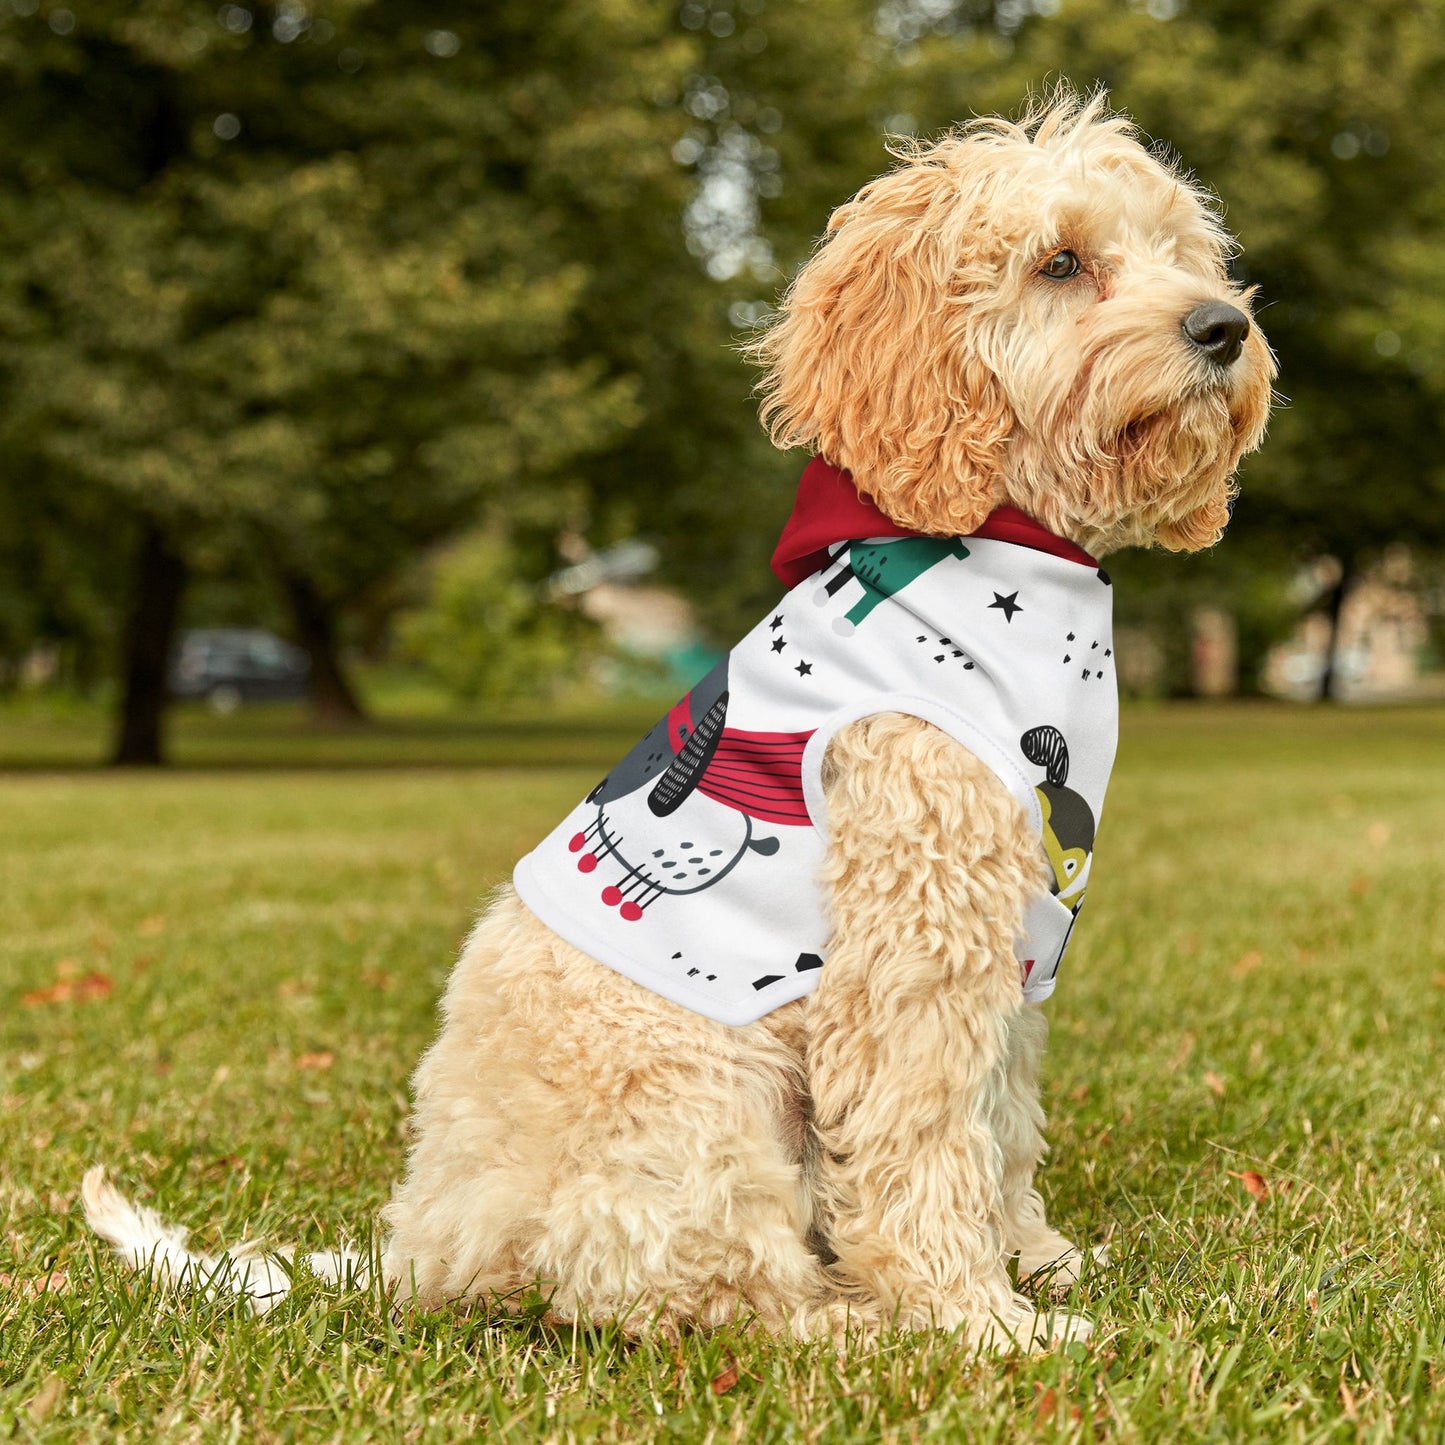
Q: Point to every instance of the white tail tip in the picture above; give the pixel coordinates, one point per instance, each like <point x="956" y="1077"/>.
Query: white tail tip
<point x="148" y="1244"/>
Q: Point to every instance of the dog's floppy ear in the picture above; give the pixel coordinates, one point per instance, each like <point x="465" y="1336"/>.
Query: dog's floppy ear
<point x="872" y="361"/>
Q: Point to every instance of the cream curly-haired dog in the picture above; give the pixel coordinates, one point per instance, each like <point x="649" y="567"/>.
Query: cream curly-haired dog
<point x="1033" y="315"/>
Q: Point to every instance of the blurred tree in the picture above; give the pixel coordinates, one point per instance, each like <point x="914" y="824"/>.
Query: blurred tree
<point x="58" y="570"/>
<point x="485" y="633"/>
<point x="782" y="108"/>
<point x="326" y="284"/>
<point x="307" y="282"/>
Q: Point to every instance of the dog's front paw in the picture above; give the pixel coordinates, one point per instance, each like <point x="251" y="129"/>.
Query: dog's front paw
<point x="1059" y="1328"/>
<point x="1021" y="1325"/>
<point x="1058" y="1269"/>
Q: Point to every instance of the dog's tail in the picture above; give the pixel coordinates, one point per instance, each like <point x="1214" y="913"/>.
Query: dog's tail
<point x="147" y="1243"/>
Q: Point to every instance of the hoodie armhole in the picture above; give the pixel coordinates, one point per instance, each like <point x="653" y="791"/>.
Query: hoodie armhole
<point x="967" y="734"/>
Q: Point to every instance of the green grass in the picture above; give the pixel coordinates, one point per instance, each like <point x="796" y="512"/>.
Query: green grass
<point x="1257" y="985"/>
<point x="407" y="728"/>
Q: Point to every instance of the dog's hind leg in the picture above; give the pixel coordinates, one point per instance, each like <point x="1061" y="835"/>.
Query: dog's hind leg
<point x="682" y="1199"/>
<point x="930" y="864"/>
<point x="576" y="1134"/>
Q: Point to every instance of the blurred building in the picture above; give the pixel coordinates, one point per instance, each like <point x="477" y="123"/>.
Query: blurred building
<point x="653" y="629"/>
<point x="1382" y="652"/>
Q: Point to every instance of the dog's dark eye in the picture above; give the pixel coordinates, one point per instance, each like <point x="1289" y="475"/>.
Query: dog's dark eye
<point x="1060" y="266"/>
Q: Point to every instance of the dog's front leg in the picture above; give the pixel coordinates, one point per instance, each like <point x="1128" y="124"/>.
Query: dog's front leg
<point x="1043" y="1253"/>
<point x="930" y="864"/>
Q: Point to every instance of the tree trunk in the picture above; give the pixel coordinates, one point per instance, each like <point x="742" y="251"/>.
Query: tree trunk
<point x="1329" y="675"/>
<point x="160" y="578"/>
<point x="333" y="699"/>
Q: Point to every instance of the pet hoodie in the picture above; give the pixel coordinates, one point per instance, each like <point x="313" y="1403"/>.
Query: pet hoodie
<point x="693" y="866"/>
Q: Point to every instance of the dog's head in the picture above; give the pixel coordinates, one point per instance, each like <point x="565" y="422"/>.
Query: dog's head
<point x="1035" y="313"/>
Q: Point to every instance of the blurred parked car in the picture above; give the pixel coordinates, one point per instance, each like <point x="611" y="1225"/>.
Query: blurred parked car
<point x="230" y="665"/>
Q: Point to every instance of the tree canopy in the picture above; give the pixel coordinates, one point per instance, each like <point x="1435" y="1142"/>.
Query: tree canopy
<point x="300" y="290"/>
<point x="324" y="289"/>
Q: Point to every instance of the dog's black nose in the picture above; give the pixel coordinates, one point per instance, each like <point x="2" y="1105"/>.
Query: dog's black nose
<point x="1218" y="330"/>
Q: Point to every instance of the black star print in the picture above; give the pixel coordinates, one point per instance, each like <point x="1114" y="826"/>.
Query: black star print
<point x="1009" y="604"/>
<point x="803" y="669"/>
<point x="778" y="644"/>
<point x="777" y="622"/>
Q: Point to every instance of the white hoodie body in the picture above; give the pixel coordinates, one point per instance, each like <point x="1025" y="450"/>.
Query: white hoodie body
<point x="693" y="866"/>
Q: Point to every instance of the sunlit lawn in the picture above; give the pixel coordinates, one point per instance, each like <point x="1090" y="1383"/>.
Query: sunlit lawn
<point x="252" y="956"/>
<point x="412" y="725"/>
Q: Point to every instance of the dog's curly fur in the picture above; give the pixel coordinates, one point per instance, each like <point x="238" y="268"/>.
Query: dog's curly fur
<point x="866" y="1155"/>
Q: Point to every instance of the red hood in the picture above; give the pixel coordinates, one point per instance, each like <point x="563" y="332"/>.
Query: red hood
<point x="829" y="509"/>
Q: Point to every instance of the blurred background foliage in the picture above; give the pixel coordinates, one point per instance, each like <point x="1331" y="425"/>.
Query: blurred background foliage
<point x="359" y="320"/>
<point x="480" y="631"/>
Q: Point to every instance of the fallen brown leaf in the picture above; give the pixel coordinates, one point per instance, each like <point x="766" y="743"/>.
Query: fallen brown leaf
<point x="1440" y="980"/>
<point x="1080" y="1094"/>
<point x="151" y="927"/>
<point x="377" y="978"/>
<point x="1377" y="834"/>
<point x="56" y="993"/>
<point x="56" y="1282"/>
<point x="1360" y="885"/>
<point x="66" y="990"/>
<point x="1255" y="1184"/>
<point x="321" y="1059"/>
<point x="723" y="1382"/>
<point x="1046" y="1407"/>
<point x="1248" y="962"/>
<point x="1214" y="1083"/>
